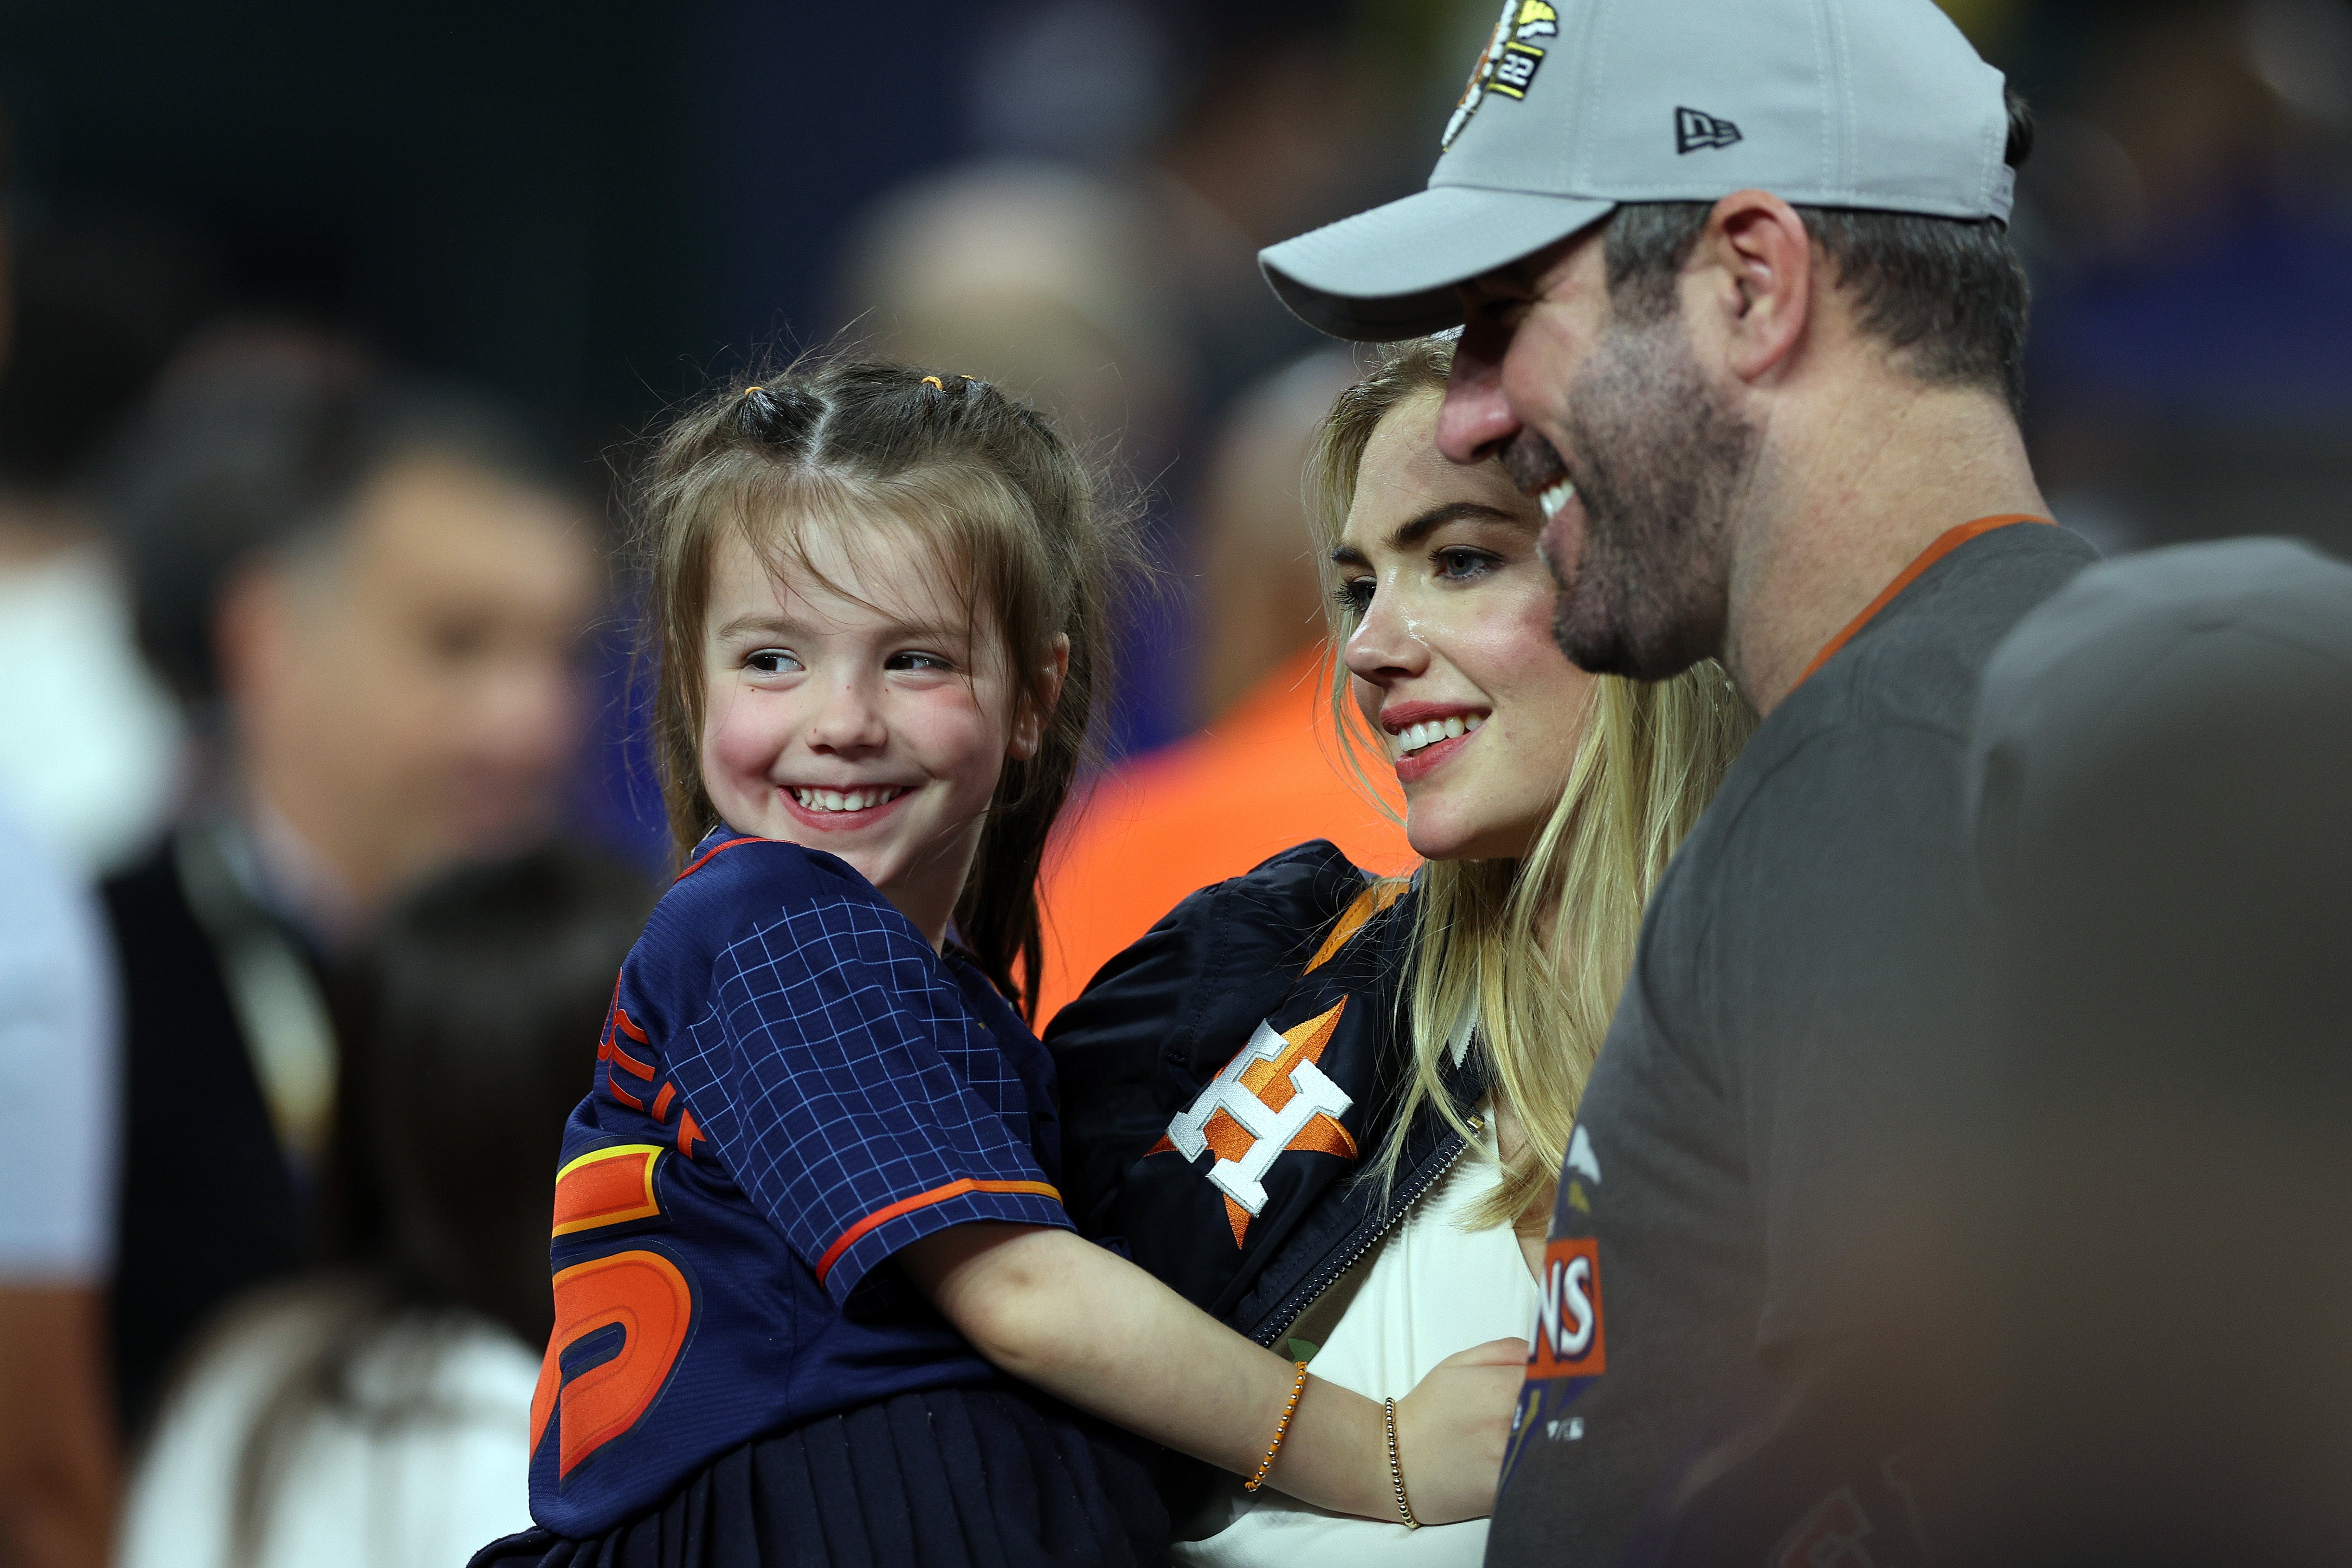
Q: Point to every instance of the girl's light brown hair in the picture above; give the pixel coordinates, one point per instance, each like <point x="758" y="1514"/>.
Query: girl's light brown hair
<point x="1012" y="520"/>
<point x="1528" y="956"/>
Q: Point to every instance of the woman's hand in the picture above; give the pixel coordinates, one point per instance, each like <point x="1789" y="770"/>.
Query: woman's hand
<point x="1453" y="1427"/>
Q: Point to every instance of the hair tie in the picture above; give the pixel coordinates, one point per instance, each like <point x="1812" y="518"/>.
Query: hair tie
<point x="935" y="384"/>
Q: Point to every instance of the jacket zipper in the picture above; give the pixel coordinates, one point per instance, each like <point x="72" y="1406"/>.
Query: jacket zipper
<point x="1308" y="1294"/>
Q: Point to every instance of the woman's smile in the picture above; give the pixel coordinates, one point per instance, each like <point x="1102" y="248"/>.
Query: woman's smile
<point x="1450" y="648"/>
<point x="1424" y="736"/>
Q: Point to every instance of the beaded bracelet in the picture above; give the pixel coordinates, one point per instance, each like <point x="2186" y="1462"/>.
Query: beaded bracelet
<point x="1396" y="1470"/>
<point x="1281" y="1428"/>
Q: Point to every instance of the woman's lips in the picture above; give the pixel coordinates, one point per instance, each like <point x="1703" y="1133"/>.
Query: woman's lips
<point x="1418" y="765"/>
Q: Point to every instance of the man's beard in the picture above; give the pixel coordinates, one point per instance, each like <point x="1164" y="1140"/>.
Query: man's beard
<point x="1660" y="458"/>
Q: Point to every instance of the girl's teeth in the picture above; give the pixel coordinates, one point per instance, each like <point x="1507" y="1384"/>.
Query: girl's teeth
<point x="847" y="800"/>
<point x="1552" y="499"/>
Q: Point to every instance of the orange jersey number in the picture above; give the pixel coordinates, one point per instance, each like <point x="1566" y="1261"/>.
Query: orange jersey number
<point x="640" y="1294"/>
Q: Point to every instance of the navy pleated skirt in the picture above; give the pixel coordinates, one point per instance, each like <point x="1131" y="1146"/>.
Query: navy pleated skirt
<point x="949" y="1479"/>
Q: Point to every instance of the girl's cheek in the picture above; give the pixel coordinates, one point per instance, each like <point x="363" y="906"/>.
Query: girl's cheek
<point x="737" y="745"/>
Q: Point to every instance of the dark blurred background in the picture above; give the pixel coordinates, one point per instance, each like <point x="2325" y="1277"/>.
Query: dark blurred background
<point x="588" y="209"/>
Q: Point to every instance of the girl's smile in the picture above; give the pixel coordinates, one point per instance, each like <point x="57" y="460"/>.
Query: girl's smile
<point x="855" y="710"/>
<point x="845" y="810"/>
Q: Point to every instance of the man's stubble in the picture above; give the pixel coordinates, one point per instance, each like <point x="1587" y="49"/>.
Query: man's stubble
<point x="1660" y="458"/>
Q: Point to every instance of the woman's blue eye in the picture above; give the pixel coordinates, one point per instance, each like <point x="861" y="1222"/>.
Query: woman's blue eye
<point x="1459" y="563"/>
<point x="771" y="661"/>
<point x="1353" y="598"/>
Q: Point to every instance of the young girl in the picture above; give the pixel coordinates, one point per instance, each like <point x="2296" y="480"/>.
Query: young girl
<point x="807" y="1218"/>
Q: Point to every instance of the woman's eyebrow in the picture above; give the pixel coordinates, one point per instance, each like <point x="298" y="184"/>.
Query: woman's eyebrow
<point x="1406" y="535"/>
<point x="1412" y="531"/>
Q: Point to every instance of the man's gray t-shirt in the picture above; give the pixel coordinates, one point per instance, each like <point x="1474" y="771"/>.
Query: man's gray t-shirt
<point x="1790" y="1023"/>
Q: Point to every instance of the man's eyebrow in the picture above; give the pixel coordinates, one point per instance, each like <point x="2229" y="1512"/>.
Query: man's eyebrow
<point x="1412" y="531"/>
<point x="1517" y="279"/>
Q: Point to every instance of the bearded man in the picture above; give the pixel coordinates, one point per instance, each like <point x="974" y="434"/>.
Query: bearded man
<point x="1739" y="308"/>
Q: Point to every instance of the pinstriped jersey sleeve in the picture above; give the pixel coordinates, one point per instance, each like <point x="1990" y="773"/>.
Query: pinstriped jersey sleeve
<point x="843" y="1079"/>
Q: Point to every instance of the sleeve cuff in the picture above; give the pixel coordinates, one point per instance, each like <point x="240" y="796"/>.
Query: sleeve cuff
<point x="909" y="1219"/>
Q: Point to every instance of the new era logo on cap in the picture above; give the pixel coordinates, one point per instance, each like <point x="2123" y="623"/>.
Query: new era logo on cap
<point x="1693" y="131"/>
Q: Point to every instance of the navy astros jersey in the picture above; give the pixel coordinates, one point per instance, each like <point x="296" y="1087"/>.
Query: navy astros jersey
<point x="792" y="1086"/>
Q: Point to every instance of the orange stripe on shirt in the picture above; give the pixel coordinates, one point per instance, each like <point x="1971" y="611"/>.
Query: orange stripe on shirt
<point x="715" y="849"/>
<point x="1951" y="539"/>
<point x="889" y="1212"/>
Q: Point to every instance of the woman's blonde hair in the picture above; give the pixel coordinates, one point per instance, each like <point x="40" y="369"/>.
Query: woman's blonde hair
<point x="1013" y="521"/>
<point x="1530" y="954"/>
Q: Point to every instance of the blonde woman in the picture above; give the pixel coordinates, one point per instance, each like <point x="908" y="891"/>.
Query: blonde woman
<point x="1329" y="1108"/>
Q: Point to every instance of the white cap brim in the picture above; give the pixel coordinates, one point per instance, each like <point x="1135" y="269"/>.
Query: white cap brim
<point x="1390" y="273"/>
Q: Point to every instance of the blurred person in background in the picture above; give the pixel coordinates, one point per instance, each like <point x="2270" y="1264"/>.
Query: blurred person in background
<point x="89" y="741"/>
<point x="376" y="1412"/>
<point x="1261" y="588"/>
<point x="370" y="592"/>
<point x="1131" y="158"/>
<point x="2160" y="819"/>
<point x="60" y="1048"/>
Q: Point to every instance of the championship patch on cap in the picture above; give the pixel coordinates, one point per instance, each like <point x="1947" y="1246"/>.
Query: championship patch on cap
<point x="1507" y="64"/>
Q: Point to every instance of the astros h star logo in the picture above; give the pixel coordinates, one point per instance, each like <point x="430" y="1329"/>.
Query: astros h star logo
<point x="1271" y="1098"/>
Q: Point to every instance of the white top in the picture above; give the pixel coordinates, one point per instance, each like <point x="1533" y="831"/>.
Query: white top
<point x="1429" y="1290"/>
<point x="427" y="1491"/>
<point x="90" y="750"/>
<point x="60" y="1065"/>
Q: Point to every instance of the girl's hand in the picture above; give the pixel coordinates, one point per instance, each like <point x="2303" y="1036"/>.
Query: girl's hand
<point x="1453" y="1427"/>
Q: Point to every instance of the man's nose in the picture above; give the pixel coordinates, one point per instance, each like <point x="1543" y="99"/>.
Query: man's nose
<point x="530" y="706"/>
<point x="1476" y="421"/>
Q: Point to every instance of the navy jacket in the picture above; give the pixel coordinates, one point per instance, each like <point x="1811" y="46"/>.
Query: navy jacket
<point x="1227" y="1078"/>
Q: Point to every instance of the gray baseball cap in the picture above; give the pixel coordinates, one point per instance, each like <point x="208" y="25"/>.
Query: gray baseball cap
<point x="1578" y="105"/>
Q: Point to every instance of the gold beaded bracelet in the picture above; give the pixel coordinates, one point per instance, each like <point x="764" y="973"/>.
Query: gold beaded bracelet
<point x="1281" y="1428"/>
<point x="1396" y="1470"/>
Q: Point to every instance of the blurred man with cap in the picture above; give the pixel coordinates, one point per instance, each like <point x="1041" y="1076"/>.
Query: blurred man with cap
<point x="1740" y="309"/>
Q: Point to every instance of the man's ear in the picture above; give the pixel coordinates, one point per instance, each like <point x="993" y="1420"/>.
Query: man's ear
<point x="1757" y="263"/>
<point x="250" y="633"/>
<point x="1029" y="729"/>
